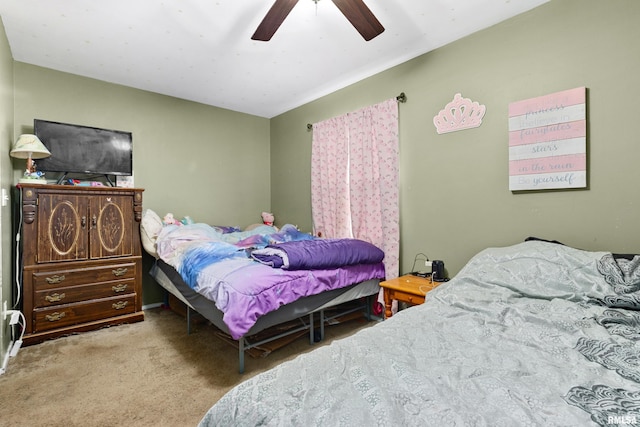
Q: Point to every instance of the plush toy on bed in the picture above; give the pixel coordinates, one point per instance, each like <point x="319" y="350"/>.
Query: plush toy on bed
<point x="170" y="220"/>
<point x="267" y="218"/>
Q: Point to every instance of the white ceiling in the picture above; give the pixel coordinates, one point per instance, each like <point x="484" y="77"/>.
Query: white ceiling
<point x="201" y="50"/>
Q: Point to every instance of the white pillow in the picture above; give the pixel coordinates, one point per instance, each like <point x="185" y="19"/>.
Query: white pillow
<point x="150" y="227"/>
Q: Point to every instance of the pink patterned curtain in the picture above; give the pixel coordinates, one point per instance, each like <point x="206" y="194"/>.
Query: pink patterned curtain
<point x="374" y="182"/>
<point x="354" y="179"/>
<point x="329" y="179"/>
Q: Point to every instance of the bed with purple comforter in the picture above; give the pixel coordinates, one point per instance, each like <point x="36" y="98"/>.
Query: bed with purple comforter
<point x="252" y="273"/>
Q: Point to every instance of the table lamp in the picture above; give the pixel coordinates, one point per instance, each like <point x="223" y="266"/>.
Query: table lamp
<point x="30" y="147"/>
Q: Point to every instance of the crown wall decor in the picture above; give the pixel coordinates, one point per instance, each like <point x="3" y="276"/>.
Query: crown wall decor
<point x="459" y="114"/>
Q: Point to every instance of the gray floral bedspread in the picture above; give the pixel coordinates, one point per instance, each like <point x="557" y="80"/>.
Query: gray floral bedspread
<point x="536" y="334"/>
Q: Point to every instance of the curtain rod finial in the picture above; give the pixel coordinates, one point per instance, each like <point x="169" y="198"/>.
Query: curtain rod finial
<point x="402" y="97"/>
<point x="309" y="126"/>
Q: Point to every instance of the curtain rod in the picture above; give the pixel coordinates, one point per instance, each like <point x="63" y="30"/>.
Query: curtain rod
<point x="400" y="98"/>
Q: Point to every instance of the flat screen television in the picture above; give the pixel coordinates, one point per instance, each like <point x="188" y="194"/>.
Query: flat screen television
<point x="84" y="149"/>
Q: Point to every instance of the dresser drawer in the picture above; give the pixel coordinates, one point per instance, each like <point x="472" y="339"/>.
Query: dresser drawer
<point x="407" y="297"/>
<point x="72" y="314"/>
<point x="67" y="295"/>
<point x="71" y="277"/>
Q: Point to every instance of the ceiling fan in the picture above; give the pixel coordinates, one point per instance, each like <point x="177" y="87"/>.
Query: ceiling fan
<point x="355" y="11"/>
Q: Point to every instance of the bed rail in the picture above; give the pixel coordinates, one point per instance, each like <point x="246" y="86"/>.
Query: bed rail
<point x="244" y="345"/>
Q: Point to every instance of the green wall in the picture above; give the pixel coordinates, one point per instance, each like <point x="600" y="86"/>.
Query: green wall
<point x="209" y="163"/>
<point x="455" y="197"/>
<point x="191" y="159"/>
<point x="6" y="180"/>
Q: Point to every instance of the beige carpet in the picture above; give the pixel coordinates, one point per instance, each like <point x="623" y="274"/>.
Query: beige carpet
<point x="144" y="374"/>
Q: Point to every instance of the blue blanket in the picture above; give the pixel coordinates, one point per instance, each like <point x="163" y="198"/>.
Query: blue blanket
<point x="318" y="253"/>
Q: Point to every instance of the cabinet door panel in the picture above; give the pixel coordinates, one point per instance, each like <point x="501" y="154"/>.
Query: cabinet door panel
<point x="111" y="226"/>
<point x="62" y="228"/>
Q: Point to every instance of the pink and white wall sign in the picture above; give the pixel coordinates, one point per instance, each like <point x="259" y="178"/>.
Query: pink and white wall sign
<point x="548" y="142"/>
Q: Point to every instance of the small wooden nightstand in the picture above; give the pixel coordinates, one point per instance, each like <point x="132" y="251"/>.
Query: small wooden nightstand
<point x="408" y="288"/>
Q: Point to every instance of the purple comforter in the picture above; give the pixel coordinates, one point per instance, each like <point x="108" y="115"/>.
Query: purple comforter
<point x="318" y="254"/>
<point x="244" y="289"/>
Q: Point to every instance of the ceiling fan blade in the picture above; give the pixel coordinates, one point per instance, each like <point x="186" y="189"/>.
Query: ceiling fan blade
<point x="360" y="17"/>
<point x="273" y="19"/>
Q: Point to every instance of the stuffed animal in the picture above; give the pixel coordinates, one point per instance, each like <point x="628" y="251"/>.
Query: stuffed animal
<point x="267" y="218"/>
<point x="170" y="220"/>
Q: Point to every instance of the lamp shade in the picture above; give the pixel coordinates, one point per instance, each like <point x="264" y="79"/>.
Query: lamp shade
<point x="29" y="146"/>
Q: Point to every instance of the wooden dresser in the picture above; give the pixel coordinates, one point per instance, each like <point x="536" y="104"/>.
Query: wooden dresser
<point x="80" y="258"/>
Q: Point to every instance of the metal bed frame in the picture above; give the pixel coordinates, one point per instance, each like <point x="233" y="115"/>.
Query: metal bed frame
<point x="171" y="281"/>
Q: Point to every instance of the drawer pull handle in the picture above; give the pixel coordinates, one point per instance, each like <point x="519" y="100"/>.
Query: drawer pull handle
<point x="54" y="317"/>
<point x="119" y="305"/>
<point x="120" y="271"/>
<point x="55" y="297"/>
<point x="119" y="288"/>
<point x="83" y="221"/>
<point x="53" y="280"/>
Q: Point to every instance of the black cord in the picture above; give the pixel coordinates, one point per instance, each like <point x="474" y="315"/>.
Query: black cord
<point x="413" y="268"/>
